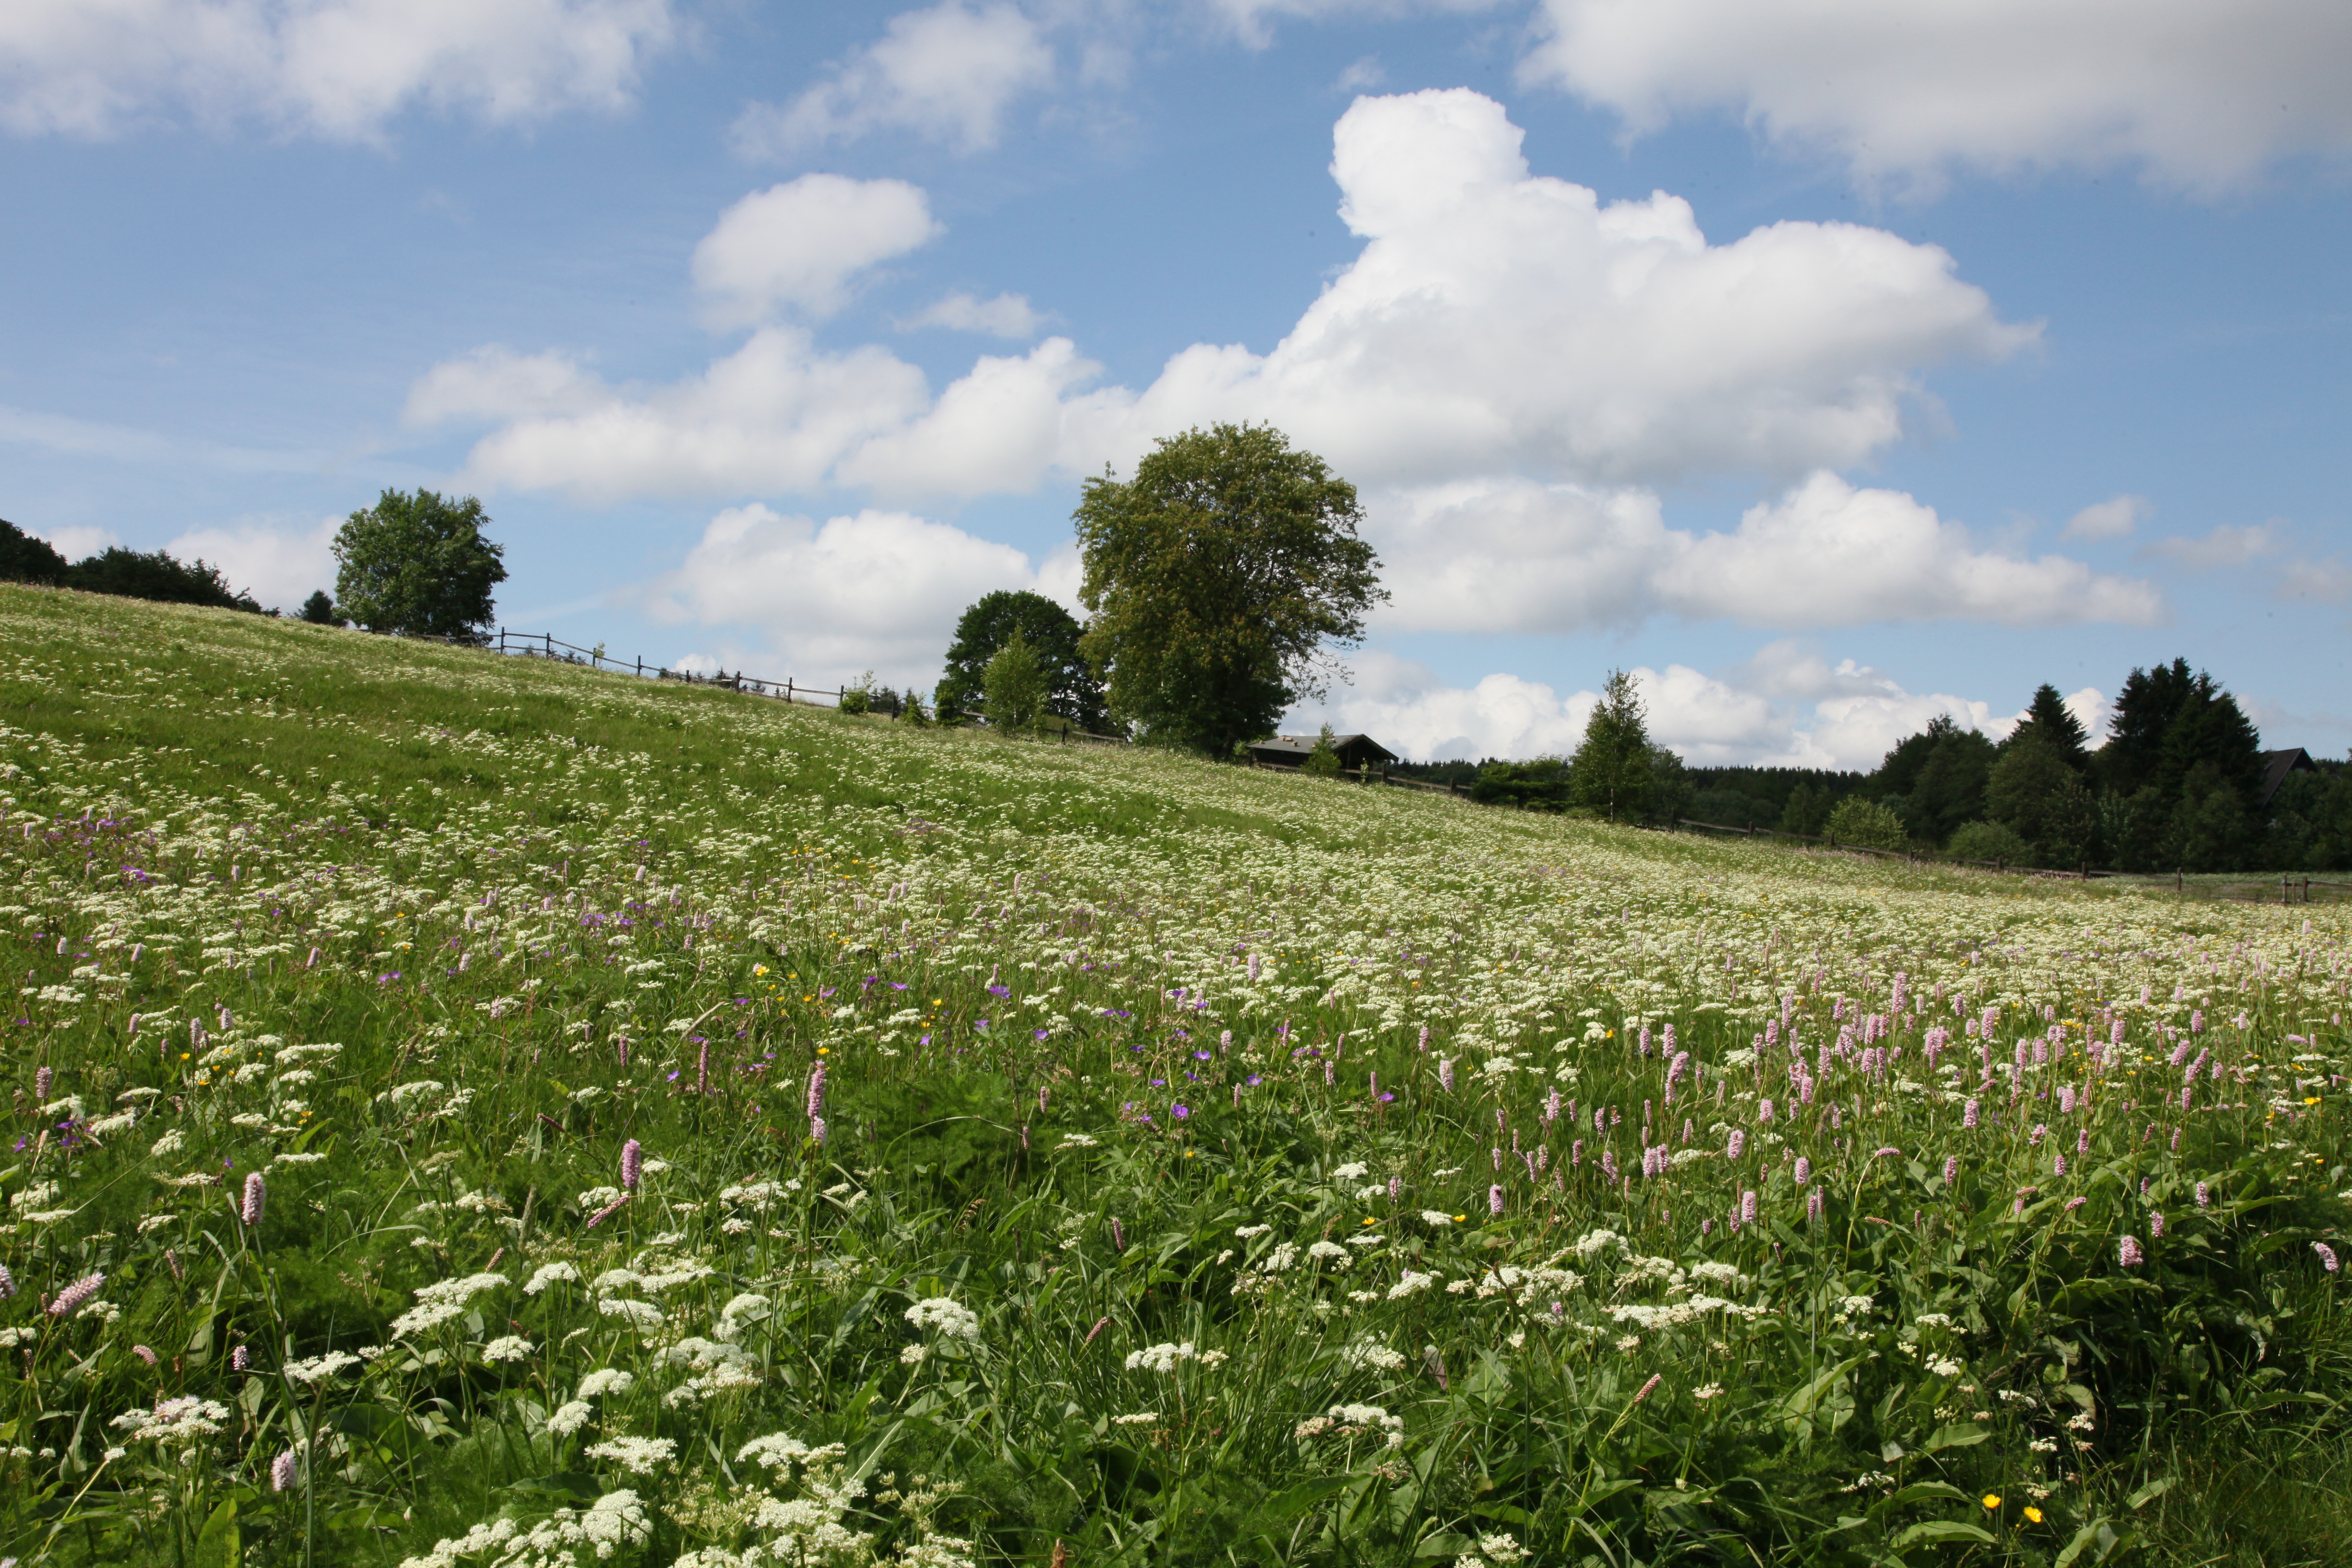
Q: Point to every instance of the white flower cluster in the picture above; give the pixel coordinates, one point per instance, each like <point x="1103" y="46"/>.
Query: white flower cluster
<point x="614" y="1521"/>
<point x="442" y="1300"/>
<point x="950" y="1318"/>
<point x="174" y="1421"/>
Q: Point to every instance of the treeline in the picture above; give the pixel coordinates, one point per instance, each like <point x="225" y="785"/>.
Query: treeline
<point x="130" y="573"/>
<point x="2179" y="781"/>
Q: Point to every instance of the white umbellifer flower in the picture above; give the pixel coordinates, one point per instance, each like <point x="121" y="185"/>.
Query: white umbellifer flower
<point x="606" y="1379"/>
<point x="950" y="1318"/>
<point x="1074" y="1141"/>
<point x="1373" y="1354"/>
<point x="914" y="1355"/>
<point x="1332" y="1250"/>
<point x="1282" y="1257"/>
<point x="1249" y="1231"/>
<point x="1140" y="1418"/>
<point x="1353" y="1171"/>
<point x="318" y="1369"/>
<point x="439" y="1302"/>
<point x="1944" y="1366"/>
<point x="1160" y="1358"/>
<point x="638" y="1456"/>
<point x="1592" y="1243"/>
<point x="1707" y="1391"/>
<point x="1435" y="1216"/>
<point x="569" y="1417"/>
<point x="1410" y="1283"/>
<point x="550" y="1274"/>
<point x="645" y="1314"/>
<point x="174" y="1420"/>
<point x="509" y="1347"/>
<point x="777" y="1450"/>
<point x="169" y="1143"/>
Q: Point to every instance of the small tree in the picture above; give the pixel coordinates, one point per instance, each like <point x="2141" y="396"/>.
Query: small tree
<point x="1073" y="692"/>
<point x="1323" y="762"/>
<point x="1868" y="824"/>
<point x="319" y="610"/>
<point x="1015" y="686"/>
<point x="1611" y="771"/>
<point x="419" y="564"/>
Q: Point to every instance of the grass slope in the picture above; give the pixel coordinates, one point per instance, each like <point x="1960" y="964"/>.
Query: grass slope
<point x="474" y="1111"/>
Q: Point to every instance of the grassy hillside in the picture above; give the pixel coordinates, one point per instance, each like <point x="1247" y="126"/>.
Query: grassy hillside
<point x="476" y="1111"/>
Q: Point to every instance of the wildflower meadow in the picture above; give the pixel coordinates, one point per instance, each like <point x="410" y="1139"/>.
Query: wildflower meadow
<point x="481" y="1112"/>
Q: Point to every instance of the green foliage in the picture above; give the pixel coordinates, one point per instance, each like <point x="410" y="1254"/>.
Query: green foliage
<point x="1015" y="685"/>
<point x="1079" y="1014"/>
<point x="858" y="696"/>
<point x="1807" y="810"/>
<point x="159" y="576"/>
<point x="2035" y="794"/>
<point x="25" y="559"/>
<point x="1323" y="761"/>
<point x="1073" y="690"/>
<point x="1868" y="824"/>
<point x="1217" y="577"/>
<point x="319" y="610"/>
<point x="1611" y="772"/>
<point x="1936" y="780"/>
<point x="1990" y="841"/>
<point x="418" y="564"/>
<point x="1538" y="786"/>
<point x="2049" y="722"/>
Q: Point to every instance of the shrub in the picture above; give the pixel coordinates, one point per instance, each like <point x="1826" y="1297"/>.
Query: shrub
<point x="1989" y="841"/>
<point x="1015" y="684"/>
<point x="857" y="696"/>
<point x="1868" y="824"/>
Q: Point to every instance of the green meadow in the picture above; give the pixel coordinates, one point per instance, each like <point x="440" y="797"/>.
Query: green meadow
<point x="481" y="1112"/>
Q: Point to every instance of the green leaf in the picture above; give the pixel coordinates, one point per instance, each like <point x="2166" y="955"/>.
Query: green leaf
<point x="2149" y="1493"/>
<point x="1943" y="1530"/>
<point x="2083" y="1539"/>
<point x="1959" y="1435"/>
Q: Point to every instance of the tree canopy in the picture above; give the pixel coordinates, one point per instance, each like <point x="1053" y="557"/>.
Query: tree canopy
<point x="418" y="564"/>
<point x="1611" y="770"/>
<point x="1218" y="578"/>
<point x="1015" y="682"/>
<point x="26" y="559"/>
<point x="1073" y="690"/>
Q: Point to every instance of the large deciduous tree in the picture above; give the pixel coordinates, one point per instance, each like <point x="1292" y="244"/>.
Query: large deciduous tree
<point x="1073" y="692"/>
<point x="418" y="564"/>
<point x="1219" y="577"/>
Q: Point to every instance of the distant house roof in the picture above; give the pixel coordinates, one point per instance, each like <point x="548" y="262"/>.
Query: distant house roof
<point x="2276" y="765"/>
<point x="1290" y="751"/>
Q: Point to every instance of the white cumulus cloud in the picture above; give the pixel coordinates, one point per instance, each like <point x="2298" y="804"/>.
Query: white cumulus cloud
<point x="2196" y="93"/>
<point x="948" y="74"/>
<point x="878" y="590"/>
<point x="1004" y="316"/>
<point x="1516" y="555"/>
<point x="340" y="70"/>
<point x="279" y="566"/>
<point x="799" y="245"/>
<point x="1785" y="707"/>
<point x="1496" y="322"/>
<point x="2111" y="518"/>
<point x="2232" y="544"/>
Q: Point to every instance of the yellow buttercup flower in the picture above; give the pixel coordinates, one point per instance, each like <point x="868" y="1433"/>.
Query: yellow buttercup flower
<point x="1992" y="1499"/>
<point x="2033" y="1515"/>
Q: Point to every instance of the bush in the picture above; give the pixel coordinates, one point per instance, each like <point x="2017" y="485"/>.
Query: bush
<point x="1868" y="824"/>
<point x="319" y="610"/>
<point x="857" y="696"/>
<point x="1989" y="841"/>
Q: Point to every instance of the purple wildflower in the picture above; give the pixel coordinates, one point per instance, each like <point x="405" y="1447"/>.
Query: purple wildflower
<point x="816" y="1131"/>
<point x="816" y="1094"/>
<point x="74" y="1297"/>
<point x="1494" y="1200"/>
<point x="1445" y="1075"/>
<point x="257" y="1191"/>
<point x="2128" y="1252"/>
<point x="240" y="1358"/>
<point x="632" y="1164"/>
<point x="2204" y="1195"/>
<point x="2327" y="1255"/>
<point x="1739" y="1145"/>
<point x="1804" y="1170"/>
<point x="1969" y="1115"/>
<point x="1951" y="1169"/>
<point x="1813" y="1205"/>
<point x="283" y="1472"/>
<point x="2156" y="1225"/>
<point x="146" y="1354"/>
<point x="42" y="1078"/>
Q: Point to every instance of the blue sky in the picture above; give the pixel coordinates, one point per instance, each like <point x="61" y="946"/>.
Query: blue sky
<point x="1831" y="364"/>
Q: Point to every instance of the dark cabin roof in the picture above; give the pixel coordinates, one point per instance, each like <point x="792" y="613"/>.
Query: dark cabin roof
<point x="2276" y="765"/>
<point x="1291" y="750"/>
